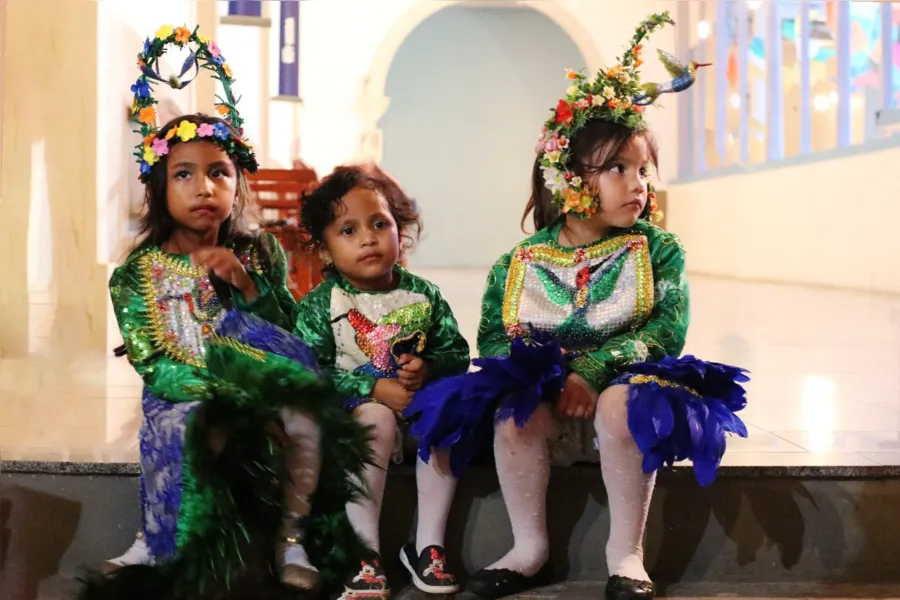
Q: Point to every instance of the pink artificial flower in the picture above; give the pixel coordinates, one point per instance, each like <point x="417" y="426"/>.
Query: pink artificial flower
<point x="160" y="147"/>
<point x="205" y="130"/>
<point x="551" y="145"/>
<point x="214" y="49"/>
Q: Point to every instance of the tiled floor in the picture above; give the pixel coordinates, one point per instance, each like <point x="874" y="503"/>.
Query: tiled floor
<point x="825" y="367"/>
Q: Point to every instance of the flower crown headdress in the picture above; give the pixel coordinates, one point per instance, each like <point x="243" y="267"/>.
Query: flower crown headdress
<point x="616" y="95"/>
<point x="205" y="54"/>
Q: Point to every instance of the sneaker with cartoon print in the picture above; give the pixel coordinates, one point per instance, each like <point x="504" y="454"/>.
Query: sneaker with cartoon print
<point x="370" y="583"/>
<point x="429" y="569"/>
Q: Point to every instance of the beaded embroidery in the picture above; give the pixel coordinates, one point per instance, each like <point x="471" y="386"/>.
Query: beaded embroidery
<point x="182" y="307"/>
<point x="580" y="296"/>
<point x="372" y="330"/>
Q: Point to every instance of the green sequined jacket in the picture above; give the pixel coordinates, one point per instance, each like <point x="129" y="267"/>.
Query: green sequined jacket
<point x="358" y="335"/>
<point x="166" y="310"/>
<point x="620" y="300"/>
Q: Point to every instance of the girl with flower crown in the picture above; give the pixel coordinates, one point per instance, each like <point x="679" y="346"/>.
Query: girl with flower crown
<point x="581" y="328"/>
<point x="242" y="473"/>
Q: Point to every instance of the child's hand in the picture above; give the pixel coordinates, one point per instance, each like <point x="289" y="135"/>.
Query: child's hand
<point x="225" y="265"/>
<point x="413" y="372"/>
<point x="392" y="394"/>
<point x="578" y="399"/>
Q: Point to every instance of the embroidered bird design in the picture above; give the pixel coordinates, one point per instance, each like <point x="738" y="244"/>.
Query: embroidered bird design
<point x="373" y="339"/>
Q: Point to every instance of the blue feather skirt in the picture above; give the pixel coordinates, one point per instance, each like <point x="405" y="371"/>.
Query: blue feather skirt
<point x="678" y="408"/>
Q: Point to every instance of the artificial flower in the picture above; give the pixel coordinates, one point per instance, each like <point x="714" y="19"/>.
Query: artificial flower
<point x="582" y="104"/>
<point x="222" y="109"/>
<point x="145" y="168"/>
<point x="571" y="74"/>
<point x="612" y="103"/>
<point x="563" y="112"/>
<point x="141" y="89"/>
<point x="182" y="35"/>
<point x="187" y="131"/>
<point x="551" y="144"/>
<point x="576" y="181"/>
<point x="553" y="179"/>
<point x="228" y="72"/>
<point x="147" y="115"/>
<point x="149" y="139"/>
<point x="171" y="133"/>
<point x="221" y="131"/>
<point x="638" y="109"/>
<point x="572" y="91"/>
<point x="562" y="142"/>
<point x="553" y="156"/>
<point x="205" y="130"/>
<point x="160" y="147"/>
<point x="624" y="77"/>
<point x="598" y="100"/>
<point x="638" y="62"/>
<point x="150" y="156"/>
<point x="609" y="92"/>
<point x="203" y="38"/>
<point x="164" y="32"/>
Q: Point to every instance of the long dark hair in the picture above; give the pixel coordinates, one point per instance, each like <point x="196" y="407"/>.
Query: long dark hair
<point x="157" y="224"/>
<point x="598" y="142"/>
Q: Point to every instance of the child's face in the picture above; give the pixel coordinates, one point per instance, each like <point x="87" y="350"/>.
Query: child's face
<point x="363" y="241"/>
<point x="201" y="184"/>
<point x="623" y="188"/>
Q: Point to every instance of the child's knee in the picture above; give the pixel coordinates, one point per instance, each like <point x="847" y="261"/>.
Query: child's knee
<point x="539" y="426"/>
<point x="611" y="419"/>
<point x="381" y="419"/>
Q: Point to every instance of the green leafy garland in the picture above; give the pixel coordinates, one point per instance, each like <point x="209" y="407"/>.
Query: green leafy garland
<point x="205" y="54"/>
<point x="609" y="95"/>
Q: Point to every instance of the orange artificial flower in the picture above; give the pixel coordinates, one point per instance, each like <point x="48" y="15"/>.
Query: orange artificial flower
<point x="571" y="74"/>
<point x="638" y="109"/>
<point x="182" y="35"/>
<point x="141" y="63"/>
<point x="171" y="133"/>
<point x="612" y="103"/>
<point x="149" y="139"/>
<point x="148" y="115"/>
<point x="222" y="110"/>
<point x="637" y="50"/>
<point x="228" y="72"/>
<point x="638" y="63"/>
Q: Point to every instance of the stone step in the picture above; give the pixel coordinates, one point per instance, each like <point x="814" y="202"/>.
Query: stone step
<point x="753" y="528"/>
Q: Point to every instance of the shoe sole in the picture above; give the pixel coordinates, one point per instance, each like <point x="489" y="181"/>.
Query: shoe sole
<point x="421" y="585"/>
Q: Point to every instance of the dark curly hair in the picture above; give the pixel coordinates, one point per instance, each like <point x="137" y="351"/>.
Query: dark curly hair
<point x="318" y="207"/>
<point x="601" y="137"/>
<point x="157" y="224"/>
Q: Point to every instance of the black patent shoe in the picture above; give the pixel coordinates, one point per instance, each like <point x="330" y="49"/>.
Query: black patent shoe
<point x="498" y="583"/>
<point x="624" y="588"/>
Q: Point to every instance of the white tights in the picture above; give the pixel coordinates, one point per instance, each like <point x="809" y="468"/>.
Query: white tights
<point x="523" y="467"/>
<point x="435" y="486"/>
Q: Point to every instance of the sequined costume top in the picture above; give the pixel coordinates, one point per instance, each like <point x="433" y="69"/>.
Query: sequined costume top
<point x="614" y="302"/>
<point x="166" y="310"/>
<point x="358" y="336"/>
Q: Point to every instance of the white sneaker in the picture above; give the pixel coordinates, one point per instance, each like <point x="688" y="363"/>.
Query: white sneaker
<point x="138" y="554"/>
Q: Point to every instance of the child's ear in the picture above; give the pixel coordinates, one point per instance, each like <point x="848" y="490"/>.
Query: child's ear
<point x="325" y="256"/>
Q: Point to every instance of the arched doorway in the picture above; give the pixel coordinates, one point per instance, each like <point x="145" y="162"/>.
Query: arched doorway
<point x="469" y="88"/>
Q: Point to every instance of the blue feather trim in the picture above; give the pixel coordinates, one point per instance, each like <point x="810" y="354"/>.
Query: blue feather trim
<point x="459" y="412"/>
<point x="681" y="409"/>
<point x="263" y="335"/>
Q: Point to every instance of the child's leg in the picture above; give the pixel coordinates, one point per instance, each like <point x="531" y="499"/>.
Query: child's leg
<point x="304" y="463"/>
<point x="426" y="560"/>
<point x="365" y="512"/>
<point x="628" y="487"/>
<point x="523" y="467"/>
<point x="436" y="486"/>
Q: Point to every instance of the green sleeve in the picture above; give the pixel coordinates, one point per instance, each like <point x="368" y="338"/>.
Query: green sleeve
<point x="447" y="351"/>
<point x="165" y="378"/>
<point x="664" y="333"/>
<point x="313" y="325"/>
<point x="492" y="338"/>
<point x="275" y="302"/>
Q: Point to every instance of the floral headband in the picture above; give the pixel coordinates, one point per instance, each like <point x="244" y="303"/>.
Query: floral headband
<point x="616" y="95"/>
<point x="205" y="54"/>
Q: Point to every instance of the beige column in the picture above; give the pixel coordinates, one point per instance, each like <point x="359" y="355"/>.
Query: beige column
<point x="50" y="100"/>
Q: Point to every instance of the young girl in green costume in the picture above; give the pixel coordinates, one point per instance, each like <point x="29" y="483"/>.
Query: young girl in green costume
<point x="243" y="479"/>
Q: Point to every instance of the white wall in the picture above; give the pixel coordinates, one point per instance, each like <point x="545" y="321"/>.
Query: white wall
<point x="463" y="120"/>
<point x="340" y="38"/>
<point x="831" y="222"/>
